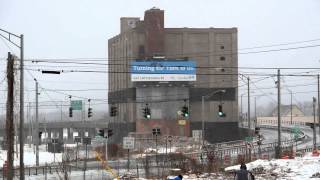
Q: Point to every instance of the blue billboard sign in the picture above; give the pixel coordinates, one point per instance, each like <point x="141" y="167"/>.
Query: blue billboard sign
<point x="155" y="70"/>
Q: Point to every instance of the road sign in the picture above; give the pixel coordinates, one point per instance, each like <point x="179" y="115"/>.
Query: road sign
<point x="86" y="140"/>
<point x="76" y="104"/>
<point x="77" y="139"/>
<point x="295" y="130"/>
<point x="197" y="135"/>
<point x="128" y="142"/>
<point x="182" y="122"/>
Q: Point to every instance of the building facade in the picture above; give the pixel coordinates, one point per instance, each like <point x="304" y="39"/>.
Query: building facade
<point x="214" y="51"/>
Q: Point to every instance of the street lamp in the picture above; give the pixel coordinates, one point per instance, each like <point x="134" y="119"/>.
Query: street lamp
<point x="202" y="108"/>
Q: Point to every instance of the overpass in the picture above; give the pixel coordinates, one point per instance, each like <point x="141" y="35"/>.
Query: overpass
<point x="63" y="130"/>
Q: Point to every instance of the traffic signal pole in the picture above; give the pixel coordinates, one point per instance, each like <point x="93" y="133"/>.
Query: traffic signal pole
<point x="37" y="124"/>
<point x="314" y="124"/>
<point x="106" y="156"/>
<point x="278" y="153"/>
<point x="318" y="77"/>
<point x="249" y="121"/>
<point x="202" y="117"/>
<point x="202" y="110"/>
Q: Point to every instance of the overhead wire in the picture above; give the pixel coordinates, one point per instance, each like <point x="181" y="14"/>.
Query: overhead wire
<point x="193" y="54"/>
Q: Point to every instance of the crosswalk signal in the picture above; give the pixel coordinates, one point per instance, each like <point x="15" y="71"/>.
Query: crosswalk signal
<point x="70" y="111"/>
<point x="113" y="111"/>
<point x="89" y="112"/>
<point x="220" y="112"/>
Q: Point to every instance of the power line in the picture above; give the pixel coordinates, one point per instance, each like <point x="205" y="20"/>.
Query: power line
<point x="197" y="67"/>
<point x="5" y="43"/>
<point x="202" y="74"/>
<point x="280" y="44"/>
<point x="208" y="52"/>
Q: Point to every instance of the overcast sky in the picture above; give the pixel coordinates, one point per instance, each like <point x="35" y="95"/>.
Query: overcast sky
<point x="80" y="29"/>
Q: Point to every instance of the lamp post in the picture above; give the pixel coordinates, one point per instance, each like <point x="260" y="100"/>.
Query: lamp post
<point x="202" y="109"/>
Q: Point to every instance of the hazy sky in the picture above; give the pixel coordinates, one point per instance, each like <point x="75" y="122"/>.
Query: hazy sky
<point x="80" y="29"/>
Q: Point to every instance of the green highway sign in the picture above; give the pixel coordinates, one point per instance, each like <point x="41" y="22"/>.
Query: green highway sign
<point x="248" y="139"/>
<point x="76" y="104"/>
<point x="295" y="130"/>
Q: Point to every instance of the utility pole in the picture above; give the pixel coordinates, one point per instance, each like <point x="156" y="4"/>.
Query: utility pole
<point x="241" y="112"/>
<point x="255" y="112"/>
<point x="279" y="117"/>
<point x="249" y="121"/>
<point x="290" y="107"/>
<point x="314" y="124"/>
<point x="37" y="137"/>
<point x="202" y="117"/>
<point x="319" y="103"/>
<point x="9" y="117"/>
<point x="21" y="132"/>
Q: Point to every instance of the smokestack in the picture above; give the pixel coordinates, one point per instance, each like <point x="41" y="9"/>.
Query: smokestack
<point x="154" y="32"/>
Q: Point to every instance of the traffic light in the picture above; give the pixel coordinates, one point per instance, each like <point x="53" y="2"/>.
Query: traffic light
<point x="113" y="111"/>
<point x="70" y="111"/>
<point x="257" y="130"/>
<point x="185" y="111"/>
<point x="101" y="133"/>
<point x="259" y="142"/>
<point x="220" y="112"/>
<point x="110" y="133"/>
<point x="40" y="134"/>
<point x="147" y="113"/>
<point x="89" y="112"/>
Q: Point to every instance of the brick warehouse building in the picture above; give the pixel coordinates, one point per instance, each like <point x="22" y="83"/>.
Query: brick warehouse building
<point x="211" y="50"/>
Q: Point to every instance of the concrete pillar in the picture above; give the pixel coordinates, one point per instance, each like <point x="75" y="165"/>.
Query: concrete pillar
<point x="70" y="135"/>
<point x="49" y="133"/>
<point x="80" y="132"/>
<point x="60" y="134"/>
<point x="92" y="132"/>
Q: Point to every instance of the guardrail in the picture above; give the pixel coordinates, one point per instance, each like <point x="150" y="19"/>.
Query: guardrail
<point x="233" y="150"/>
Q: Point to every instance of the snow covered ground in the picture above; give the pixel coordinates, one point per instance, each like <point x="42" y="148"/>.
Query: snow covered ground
<point x="300" y="168"/>
<point x="30" y="156"/>
<point x="75" y="175"/>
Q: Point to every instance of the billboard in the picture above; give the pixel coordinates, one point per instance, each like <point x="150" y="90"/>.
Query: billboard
<point x="157" y="70"/>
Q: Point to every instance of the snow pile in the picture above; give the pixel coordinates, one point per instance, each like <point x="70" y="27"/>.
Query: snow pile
<point x="160" y="150"/>
<point x="298" y="168"/>
<point x="203" y="176"/>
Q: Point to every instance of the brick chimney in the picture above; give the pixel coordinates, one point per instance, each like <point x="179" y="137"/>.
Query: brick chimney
<point x="154" y="32"/>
